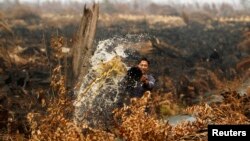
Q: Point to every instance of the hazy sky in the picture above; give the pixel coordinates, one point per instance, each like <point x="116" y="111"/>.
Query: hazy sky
<point x="157" y="1"/>
<point x="235" y="3"/>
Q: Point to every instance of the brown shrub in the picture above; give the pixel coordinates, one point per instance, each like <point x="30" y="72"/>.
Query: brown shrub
<point x="243" y="64"/>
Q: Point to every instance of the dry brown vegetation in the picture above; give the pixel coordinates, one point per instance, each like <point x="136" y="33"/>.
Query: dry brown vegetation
<point x="133" y="123"/>
<point x="36" y="101"/>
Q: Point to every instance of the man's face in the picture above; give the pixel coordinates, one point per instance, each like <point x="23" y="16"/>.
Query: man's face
<point x="143" y="65"/>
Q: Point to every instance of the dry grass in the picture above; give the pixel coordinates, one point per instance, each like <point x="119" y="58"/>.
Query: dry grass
<point x="4" y="25"/>
<point x="234" y="19"/>
<point x="4" y="55"/>
<point x="215" y="80"/>
<point x="243" y="64"/>
<point x="170" y="21"/>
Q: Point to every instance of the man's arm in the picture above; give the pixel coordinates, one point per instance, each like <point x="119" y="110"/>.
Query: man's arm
<point x="148" y="82"/>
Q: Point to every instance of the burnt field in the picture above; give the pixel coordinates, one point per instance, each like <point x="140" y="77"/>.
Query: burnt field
<point x="201" y="66"/>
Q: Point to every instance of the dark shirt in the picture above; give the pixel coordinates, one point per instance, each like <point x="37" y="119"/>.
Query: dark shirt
<point x="133" y="88"/>
<point x="140" y="87"/>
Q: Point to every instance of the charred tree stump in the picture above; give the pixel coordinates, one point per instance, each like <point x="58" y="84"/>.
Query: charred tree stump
<point x="83" y="48"/>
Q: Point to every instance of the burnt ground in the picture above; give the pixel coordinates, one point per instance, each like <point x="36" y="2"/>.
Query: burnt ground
<point x="188" y="52"/>
<point x="190" y="60"/>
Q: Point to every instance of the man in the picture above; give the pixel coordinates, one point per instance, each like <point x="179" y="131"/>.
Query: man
<point x="147" y="81"/>
<point x="136" y="82"/>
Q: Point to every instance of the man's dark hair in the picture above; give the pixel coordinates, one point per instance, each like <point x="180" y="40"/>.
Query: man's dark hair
<point x="143" y="59"/>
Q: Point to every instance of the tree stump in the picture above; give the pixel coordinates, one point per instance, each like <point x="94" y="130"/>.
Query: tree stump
<point x="83" y="47"/>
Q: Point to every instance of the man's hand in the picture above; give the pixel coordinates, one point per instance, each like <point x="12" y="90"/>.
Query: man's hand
<point x="144" y="79"/>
